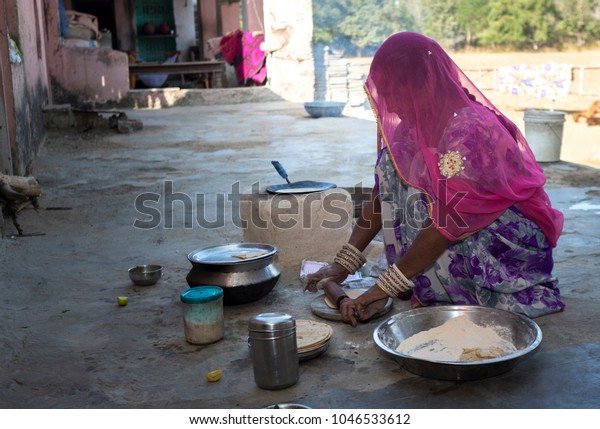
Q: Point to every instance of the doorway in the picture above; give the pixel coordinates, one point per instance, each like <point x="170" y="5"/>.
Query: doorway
<point x="104" y="10"/>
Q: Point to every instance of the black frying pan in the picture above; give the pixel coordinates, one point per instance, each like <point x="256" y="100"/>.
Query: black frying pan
<point x="302" y="187"/>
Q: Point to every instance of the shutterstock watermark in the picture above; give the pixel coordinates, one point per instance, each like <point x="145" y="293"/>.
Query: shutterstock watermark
<point x="331" y="210"/>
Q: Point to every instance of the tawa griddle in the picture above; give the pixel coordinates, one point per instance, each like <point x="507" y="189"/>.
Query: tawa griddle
<point x="302" y="187"/>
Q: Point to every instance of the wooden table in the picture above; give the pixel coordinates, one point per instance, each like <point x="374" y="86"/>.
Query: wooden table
<point x="212" y="68"/>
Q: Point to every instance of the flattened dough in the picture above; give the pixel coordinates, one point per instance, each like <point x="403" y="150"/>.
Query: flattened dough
<point x="311" y="334"/>
<point x="351" y="293"/>
<point x="248" y="255"/>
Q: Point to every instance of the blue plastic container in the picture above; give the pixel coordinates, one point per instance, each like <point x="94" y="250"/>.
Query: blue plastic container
<point x="203" y="314"/>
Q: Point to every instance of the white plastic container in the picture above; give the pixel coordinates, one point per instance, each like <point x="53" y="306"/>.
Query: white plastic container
<point x="203" y="314"/>
<point x="544" y="131"/>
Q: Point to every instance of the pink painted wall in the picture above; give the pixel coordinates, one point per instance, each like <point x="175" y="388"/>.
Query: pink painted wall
<point x="8" y="124"/>
<point x="208" y="17"/>
<point x="29" y="80"/>
<point x="207" y="11"/>
<point x="230" y="14"/>
<point x="94" y="74"/>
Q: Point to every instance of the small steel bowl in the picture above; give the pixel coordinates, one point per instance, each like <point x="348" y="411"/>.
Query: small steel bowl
<point x="287" y="407"/>
<point x="525" y="334"/>
<point x="145" y="275"/>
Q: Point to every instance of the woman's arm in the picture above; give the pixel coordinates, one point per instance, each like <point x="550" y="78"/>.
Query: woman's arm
<point x="366" y="228"/>
<point x="368" y="224"/>
<point x="422" y="253"/>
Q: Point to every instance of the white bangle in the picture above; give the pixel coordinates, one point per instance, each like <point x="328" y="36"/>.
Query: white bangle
<point x="401" y="277"/>
<point x="393" y="282"/>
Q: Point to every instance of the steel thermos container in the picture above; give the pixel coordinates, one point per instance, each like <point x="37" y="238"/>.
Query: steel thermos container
<point x="274" y="350"/>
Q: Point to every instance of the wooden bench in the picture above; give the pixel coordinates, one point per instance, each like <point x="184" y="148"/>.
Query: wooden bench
<point x="212" y="68"/>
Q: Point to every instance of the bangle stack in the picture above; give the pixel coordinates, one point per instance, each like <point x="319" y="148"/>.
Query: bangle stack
<point x="350" y="258"/>
<point x="393" y="282"/>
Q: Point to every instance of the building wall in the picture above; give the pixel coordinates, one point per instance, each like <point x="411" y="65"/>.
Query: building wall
<point x="124" y="14"/>
<point x="79" y="74"/>
<point x="288" y="43"/>
<point x="230" y="17"/>
<point x="7" y="103"/>
<point x="207" y="17"/>
<point x="186" y="27"/>
<point x="89" y="74"/>
<point x="29" y="81"/>
<point x="254" y="15"/>
<point x="124" y="20"/>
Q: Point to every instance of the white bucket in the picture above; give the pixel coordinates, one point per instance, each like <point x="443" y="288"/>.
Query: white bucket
<point x="544" y="131"/>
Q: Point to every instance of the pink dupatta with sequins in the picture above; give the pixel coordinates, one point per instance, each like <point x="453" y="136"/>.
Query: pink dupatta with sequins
<point x="447" y="139"/>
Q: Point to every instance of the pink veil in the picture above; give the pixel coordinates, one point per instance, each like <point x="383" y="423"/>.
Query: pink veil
<point x="447" y="139"/>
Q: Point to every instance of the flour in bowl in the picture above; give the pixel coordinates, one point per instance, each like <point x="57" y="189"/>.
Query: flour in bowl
<point x="457" y="340"/>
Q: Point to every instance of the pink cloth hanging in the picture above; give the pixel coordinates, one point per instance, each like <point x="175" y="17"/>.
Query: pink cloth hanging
<point x="243" y="51"/>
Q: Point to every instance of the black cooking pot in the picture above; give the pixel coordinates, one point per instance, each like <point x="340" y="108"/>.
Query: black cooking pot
<point x="246" y="272"/>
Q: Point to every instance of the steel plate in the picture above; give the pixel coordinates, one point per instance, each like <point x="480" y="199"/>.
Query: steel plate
<point x="223" y="255"/>
<point x="311" y="354"/>
<point x="303" y="187"/>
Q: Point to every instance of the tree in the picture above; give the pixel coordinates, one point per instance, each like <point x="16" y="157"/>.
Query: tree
<point x="371" y="22"/>
<point x="522" y="23"/>
<point x="327" y="16"/>
<point x="364" y="24"/>
<point x="440" y="22"/>
<point x="471" y="16"/>
<point x="580" y="21"/>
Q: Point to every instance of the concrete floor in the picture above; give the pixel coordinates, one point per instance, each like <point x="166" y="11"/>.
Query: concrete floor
<point x="66" y="343"/>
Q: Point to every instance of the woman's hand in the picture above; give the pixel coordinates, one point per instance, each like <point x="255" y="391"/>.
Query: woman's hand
<point x="334" y="272"/>
<point x="366" y="228"/>
<point x="364" y="307"/>
<point x="333" y="291"/>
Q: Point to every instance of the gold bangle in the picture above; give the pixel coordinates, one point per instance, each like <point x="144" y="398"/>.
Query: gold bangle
<point x="344" y="265"/>
<point x="350" y="258"/>
<point x="355" y="252"/>
<point x="384" y="288"/>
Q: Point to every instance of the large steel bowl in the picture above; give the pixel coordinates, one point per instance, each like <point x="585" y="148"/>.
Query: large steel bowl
<point x="525" y="334"/>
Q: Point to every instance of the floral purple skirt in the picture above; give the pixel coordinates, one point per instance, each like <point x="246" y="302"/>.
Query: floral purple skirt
<point x="507" y="265"/>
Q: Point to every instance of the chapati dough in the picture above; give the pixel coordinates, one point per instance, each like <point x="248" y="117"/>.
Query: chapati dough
<point x="351" y="293"/>
<point x="475" y="354"/>
<point x="311" y="334"/>
<point x="248" y="255"/>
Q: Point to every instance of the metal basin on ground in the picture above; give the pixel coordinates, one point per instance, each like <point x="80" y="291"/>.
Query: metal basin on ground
<point x="318" y="109"/>
<point x="524" y="333"/>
